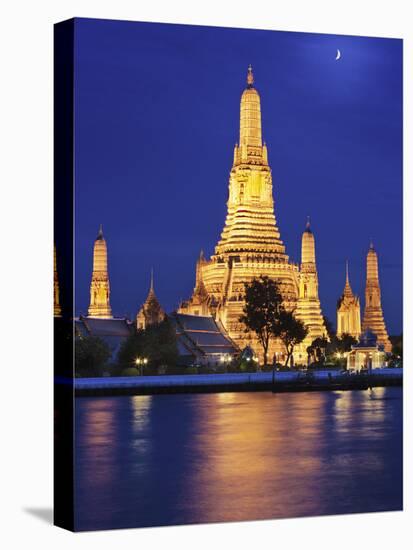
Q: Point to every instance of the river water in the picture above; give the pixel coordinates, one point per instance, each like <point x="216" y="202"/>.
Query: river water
<point x="179" y="459"/>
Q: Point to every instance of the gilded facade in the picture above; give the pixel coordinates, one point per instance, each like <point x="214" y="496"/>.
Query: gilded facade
<point x="348" y="312"/>
<point x="308" y="308"/>
<point x="99" y="287"/>
<point x="373" y="319"/>
<point x="151" y="312"/>
<point x="250" y="244"/>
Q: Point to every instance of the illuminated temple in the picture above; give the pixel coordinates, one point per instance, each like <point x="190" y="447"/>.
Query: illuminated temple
<point x="251" y="245"/>
<point x="151" y="311"/>
<point x="99" y="286"/>
<point x="348" y="312"/>
<point x="373" y="319"/>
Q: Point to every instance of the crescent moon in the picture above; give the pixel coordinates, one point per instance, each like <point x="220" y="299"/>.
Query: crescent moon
<point x="338" y="55"/>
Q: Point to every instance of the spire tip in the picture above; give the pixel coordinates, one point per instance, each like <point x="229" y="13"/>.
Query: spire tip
<point x="151" y="287"/>
<point x="250" y="76"/>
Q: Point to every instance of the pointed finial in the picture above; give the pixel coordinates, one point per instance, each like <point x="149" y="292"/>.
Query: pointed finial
<point x="250" y="76"/>
<point x="347" y="272"/>
<point x="307" y="225"/>
<point x="151" y="287"/>
<point x="100" y="234"/>
<point x="371" y="244"/>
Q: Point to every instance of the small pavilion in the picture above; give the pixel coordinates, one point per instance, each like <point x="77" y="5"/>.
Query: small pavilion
<point x="367" y="354"/>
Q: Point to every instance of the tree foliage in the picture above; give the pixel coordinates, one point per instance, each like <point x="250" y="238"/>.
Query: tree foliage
<point x="329" y="327"/>
<point x="157" y="343"/>
<point x="291" y="331"/>
<point x="397" y="345"/>
<point x="317" y="350"/>
<point x="91" y="355"/>
<point x="340" y="345"/>
<point x="263" y="304"/>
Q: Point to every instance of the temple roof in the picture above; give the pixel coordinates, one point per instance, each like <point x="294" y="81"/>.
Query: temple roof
<point x="112" y="331"/>
<point x="151" y="303"/>
<point x="347" y="288"/>
<point x="200" y="336"/>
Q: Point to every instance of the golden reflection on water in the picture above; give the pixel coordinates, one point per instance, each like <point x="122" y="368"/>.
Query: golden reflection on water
<point x="164" y="460"/>
<point x="140" y="442"/>
<point x="247" y="448"/>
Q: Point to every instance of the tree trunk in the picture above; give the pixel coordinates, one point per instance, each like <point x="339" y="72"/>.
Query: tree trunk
<point x="289" y="353"/>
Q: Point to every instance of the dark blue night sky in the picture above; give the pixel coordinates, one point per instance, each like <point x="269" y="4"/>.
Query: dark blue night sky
<point x="157" y="116"/>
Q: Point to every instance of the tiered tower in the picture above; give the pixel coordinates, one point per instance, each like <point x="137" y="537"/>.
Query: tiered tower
<point x="99" y="287"/>
<point x="250" y="244"/>
<point x="348" y="312"/>
<point x="57" y="310"/>
<point x="151" y="312"/>
<point x="308" y="306"/>
<point x="373" y="319"/>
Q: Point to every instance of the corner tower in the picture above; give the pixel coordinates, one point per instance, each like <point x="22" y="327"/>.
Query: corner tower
<point x="373" y="318"/>
<point x="308" y="305"/>
<point x="250" y="245"/>
<point x="99" y="287"/>
<point x="348" y="311"/>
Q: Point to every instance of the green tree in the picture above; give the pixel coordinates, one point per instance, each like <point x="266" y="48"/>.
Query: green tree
<point x="130" y="349"/>
<point x="91" y="355"/>
<point x="263" y="304"/>
<point x="397" y="345"/>
<point x="290" y="330"/>
<point x="157" y="343"/>
<point x="160" y="344"/>
<point x="329" y="327"/>
<point x="345" y="343"/>
<point x="318" y="347"/>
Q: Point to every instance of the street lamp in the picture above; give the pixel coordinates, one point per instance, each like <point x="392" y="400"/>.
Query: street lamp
<point x="140" y="362"/>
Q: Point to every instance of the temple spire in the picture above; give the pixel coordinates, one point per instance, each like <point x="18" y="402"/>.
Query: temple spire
<point x="308" y="245"/>
<point x="347" y="287"/>
<point x="308" y="308"/>
<point x="151" y="288"/>
<point x="99" y="287"/>
<point x="151" y="312"/>
<point x="250" y="122"/>
<point x="348" y="311"/>
<point x="250" y="76"/>
<point x="373" y="318"/>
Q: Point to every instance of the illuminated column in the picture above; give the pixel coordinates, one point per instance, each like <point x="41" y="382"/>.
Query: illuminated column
<point x="308" y="306"/>
<point x="373" y="318"/>
<point x="99" y="287"/>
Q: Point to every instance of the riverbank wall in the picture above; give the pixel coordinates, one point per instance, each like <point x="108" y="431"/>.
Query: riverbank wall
<point x="237" y="382"/>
